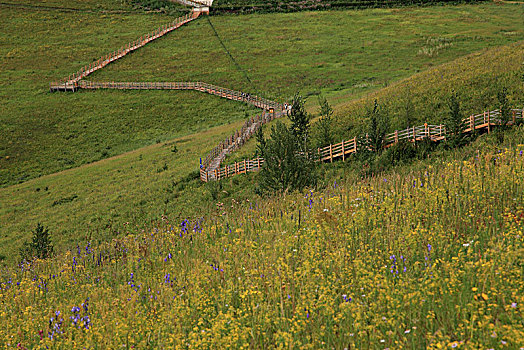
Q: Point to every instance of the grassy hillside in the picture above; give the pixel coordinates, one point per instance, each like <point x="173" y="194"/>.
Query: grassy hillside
<point x="45" y="133"/>
<point x="107" y="197"/>
<point x="247" y="6"/>
<point x="423" y="97"/>
<point x="427" y="258"/>
<point x="342" y="52"/>
<point x="96" y="200"/>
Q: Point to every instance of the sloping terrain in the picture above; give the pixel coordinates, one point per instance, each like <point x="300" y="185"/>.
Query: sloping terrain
<point x="96" y="200"/>
<point x="425" y="258"/>
<point x="278" y="60"/>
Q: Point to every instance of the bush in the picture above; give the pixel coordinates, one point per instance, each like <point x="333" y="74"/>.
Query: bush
<point x="323" y="128"/>
<point x="455" y="122"/>
<point x="40" y="246"/>
<point x="287" y="165"/>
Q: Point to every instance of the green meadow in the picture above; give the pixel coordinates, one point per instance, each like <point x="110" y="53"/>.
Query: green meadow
<point x="133" y="155"/>
<point x="418" y="247"/>
<point x="425" y="256"/>
<point x="339" y="53"/>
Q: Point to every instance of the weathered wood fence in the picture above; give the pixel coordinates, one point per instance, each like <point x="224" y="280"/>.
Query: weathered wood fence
<point x="340" y="151"/>
<point x="198" y="86"/>
<point x="71" y="83"/>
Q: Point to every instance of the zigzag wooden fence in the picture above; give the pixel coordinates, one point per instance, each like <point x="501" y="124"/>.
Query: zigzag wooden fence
<point x="71" y="83"/>
<point x="485" y="120"/>
<point x="198" y="86"/>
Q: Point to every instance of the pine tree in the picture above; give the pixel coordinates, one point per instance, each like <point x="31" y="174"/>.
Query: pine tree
<point x="324" y="125"/>
<point x="505" y="110"/>
<point x="286" y="166"/>
<point x="299" y="119"/>
<point x="377" y="128"/>
<point x="455" y="122"/>
<point x="40" y="245"/>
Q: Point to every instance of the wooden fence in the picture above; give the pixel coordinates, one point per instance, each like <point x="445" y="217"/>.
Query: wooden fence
<point x="238" y="139"/>
<point x="71" y="83"/>
<point x="198" y="86"/>
<point x="483" y="121"/>
<point x="195" y="3"/>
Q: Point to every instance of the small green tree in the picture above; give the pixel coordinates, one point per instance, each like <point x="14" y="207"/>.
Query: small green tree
<point x="409" y="110"/>
<point x="378" y="125"/>
<point x="261" y="142"/>
<point x="287" y="166"/>
<point x="505" y="110"/>
<point x="299" y="120"/>
<point x="455" y="124"/>
<point x="324" y="125"/>
<point x="40" y="245"/>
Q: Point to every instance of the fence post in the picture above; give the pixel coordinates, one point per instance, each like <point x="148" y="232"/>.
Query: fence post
<point x="331" y="153"/>
<point x="514" y="115"/>
<point x="245" y="169"/>
<point x="426" y="131"/>
<point x="258" y="163"/>
<point x="355" y="144"/>
<point x="396" y="136"/>
<point x="414" y="137"/>
<point x="343" y="152"/>
<point x="489" y="123"/>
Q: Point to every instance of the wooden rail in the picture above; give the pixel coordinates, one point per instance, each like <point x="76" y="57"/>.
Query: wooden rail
<point x="198" y="86"/>
<point x="237" y="140"/>
<point x="71" y="83"/>
<point x="195" y="3"/>
<point x="482" y="121"/>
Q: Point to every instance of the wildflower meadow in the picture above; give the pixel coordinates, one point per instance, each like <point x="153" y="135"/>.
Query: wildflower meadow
<point x="430" y="259"/>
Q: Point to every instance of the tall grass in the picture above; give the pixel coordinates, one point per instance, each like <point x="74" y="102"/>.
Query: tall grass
<point x="430" y="258"/>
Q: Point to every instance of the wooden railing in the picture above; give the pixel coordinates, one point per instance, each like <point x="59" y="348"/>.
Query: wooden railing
<point x="71" y="83"/>
<point x="233" y="169"/>
<point x="198" y="86"/>
<point x="238" y="139"/>
<point x="485" y="120"/>
<point x="194" y="3"/>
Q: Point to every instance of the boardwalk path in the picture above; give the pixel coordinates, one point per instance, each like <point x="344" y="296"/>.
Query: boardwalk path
<point x="210" y="166"/>
<point x="340" y="151"/>
<point x="212" y="161"/>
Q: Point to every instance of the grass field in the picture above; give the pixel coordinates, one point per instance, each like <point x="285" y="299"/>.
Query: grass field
<point x="477" y="78"/>
<point x="423" y="255"/>
<point x="429" y="257"/>
<point x="345" y="60"/>
<point x="249" y="6"/>
<point x="93" y="202"/>
<point x="142" y="185"/>
<point x="43" y="132"/>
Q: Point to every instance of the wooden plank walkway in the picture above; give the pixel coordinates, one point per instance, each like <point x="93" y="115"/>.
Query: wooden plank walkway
<point x="75" y="82"/>
<point x="234" y="95"/>
<point x="340" y="151"/>
<point x="71" y="83"/>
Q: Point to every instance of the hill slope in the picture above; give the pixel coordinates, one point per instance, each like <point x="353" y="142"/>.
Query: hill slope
<point x="430" y="259"/>
<point x="96" y="200"/>
<point x="45" y="133"/>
